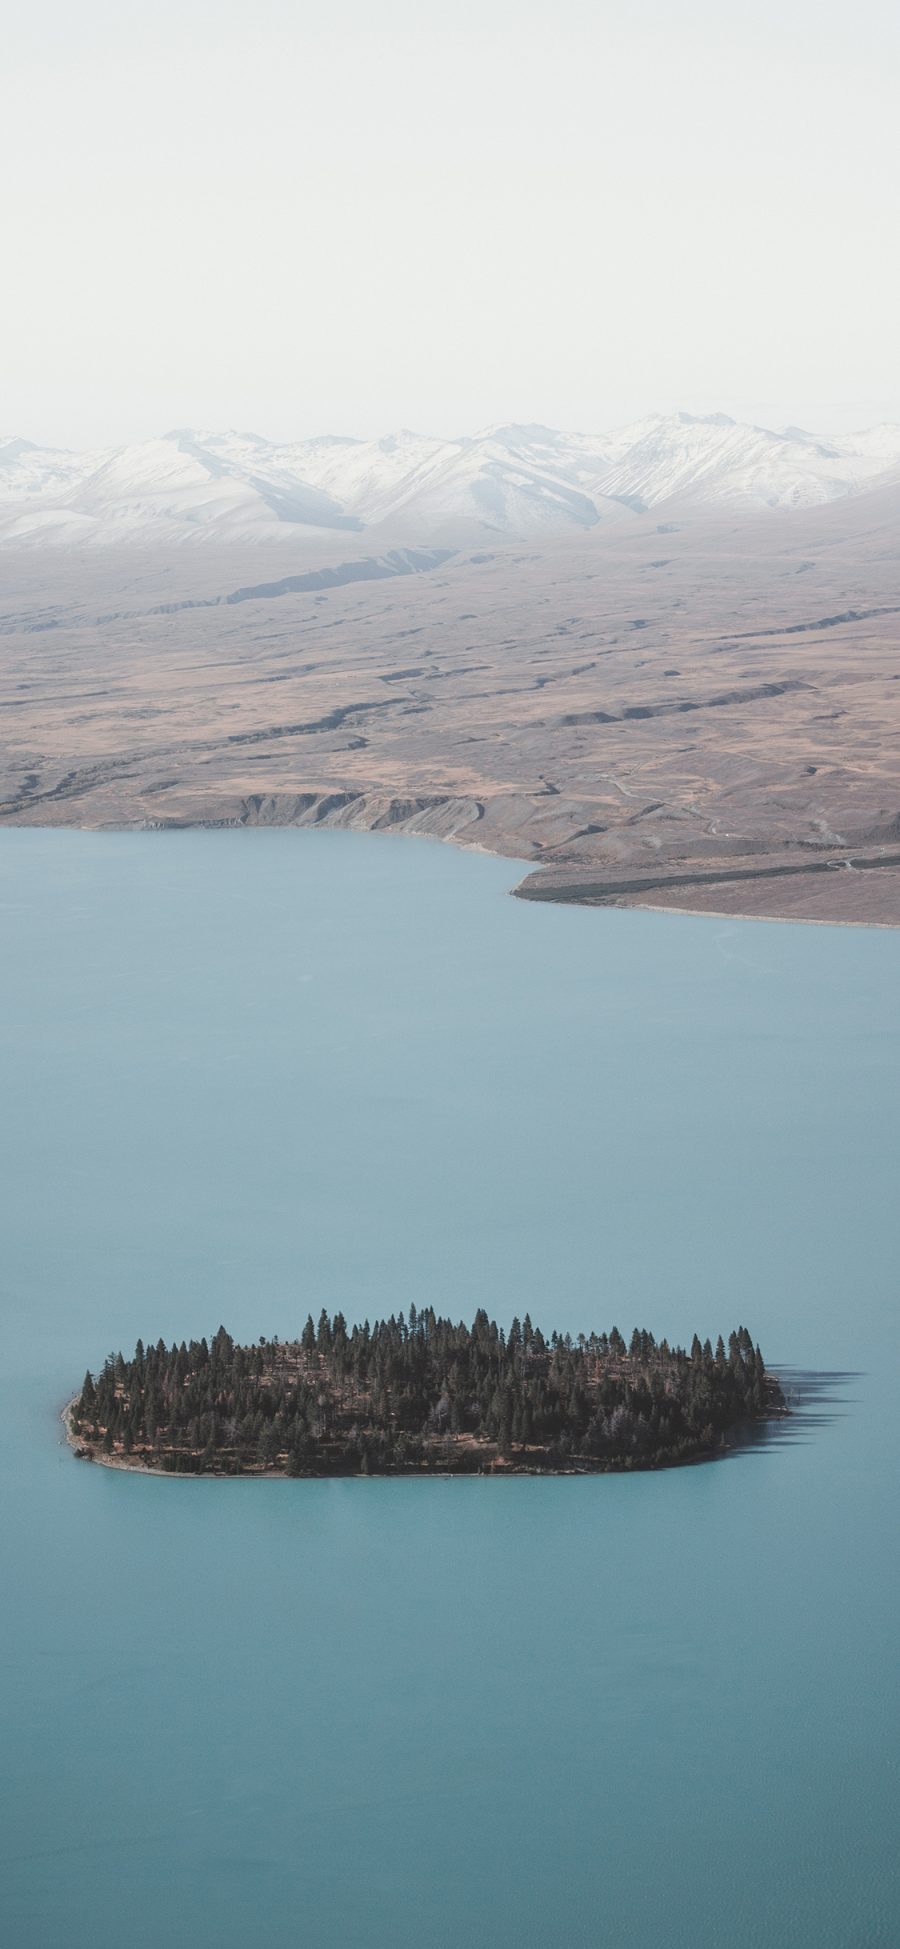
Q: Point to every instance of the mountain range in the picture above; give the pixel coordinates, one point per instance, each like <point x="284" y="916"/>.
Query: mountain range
<point x="516" y="481"/>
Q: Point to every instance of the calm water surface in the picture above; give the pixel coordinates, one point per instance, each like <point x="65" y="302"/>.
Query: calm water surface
<point x="249" y="1074"/>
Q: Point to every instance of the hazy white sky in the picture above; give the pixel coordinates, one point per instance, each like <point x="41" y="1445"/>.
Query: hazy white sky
<point x="298" y="218"/>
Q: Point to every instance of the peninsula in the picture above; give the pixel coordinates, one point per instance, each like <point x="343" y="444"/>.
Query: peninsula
<point x="421" y="1395"/>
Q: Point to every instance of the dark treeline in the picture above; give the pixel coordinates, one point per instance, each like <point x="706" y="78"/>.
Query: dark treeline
<point x="421" y="1394"/>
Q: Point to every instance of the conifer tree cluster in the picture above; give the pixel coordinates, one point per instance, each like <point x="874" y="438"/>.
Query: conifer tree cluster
<point x="421" y="1394"/>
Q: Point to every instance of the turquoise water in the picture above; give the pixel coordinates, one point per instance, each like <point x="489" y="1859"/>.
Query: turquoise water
<point x="249" y="1074"/>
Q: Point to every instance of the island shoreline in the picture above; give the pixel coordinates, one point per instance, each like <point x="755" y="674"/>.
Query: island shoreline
<point x="120" y="1465"/>
<point x="526" y="1407"/>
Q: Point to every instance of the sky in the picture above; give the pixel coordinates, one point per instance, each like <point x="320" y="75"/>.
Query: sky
<point x="300" y="219"/>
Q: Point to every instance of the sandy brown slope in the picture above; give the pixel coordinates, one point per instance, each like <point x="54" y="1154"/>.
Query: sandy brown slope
<point x="666" y="711"/>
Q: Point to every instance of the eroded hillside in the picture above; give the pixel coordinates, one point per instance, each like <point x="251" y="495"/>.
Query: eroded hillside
<point x="666" y="711"/>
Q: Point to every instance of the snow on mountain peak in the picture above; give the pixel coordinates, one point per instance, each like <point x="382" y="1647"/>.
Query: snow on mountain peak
<point x="11" y="446"/>
<point x="706" y="419"/>
<point x="514" y="479"/>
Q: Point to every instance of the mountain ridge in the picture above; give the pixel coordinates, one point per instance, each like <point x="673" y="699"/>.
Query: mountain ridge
<point x="513" y="480"/>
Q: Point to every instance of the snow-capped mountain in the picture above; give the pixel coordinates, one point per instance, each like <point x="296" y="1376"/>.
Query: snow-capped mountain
<point x="233" y="487"/>
<point x="509" y="481"/>
<point x="516" y="480"/>
<point x="714" y="461"/>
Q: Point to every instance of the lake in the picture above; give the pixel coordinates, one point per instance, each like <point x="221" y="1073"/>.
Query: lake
<point x="249" y="1074"/>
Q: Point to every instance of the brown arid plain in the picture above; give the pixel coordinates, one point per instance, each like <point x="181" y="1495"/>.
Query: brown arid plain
<point x="696" y="712"/>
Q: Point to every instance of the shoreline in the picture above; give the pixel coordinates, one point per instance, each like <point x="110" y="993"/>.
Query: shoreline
<point x="835" y="883"/>
<point x="569" y="895"/>
<point x="122" y="1466"/>
<point x="723" y="913"/>
<point x="605" y="708"/>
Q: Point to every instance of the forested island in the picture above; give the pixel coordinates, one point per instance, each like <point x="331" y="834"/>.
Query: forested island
<point x="421" y="1395"/>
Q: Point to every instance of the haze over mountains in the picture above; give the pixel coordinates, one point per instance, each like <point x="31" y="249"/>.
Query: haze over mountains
<point x="517" y="481"/>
